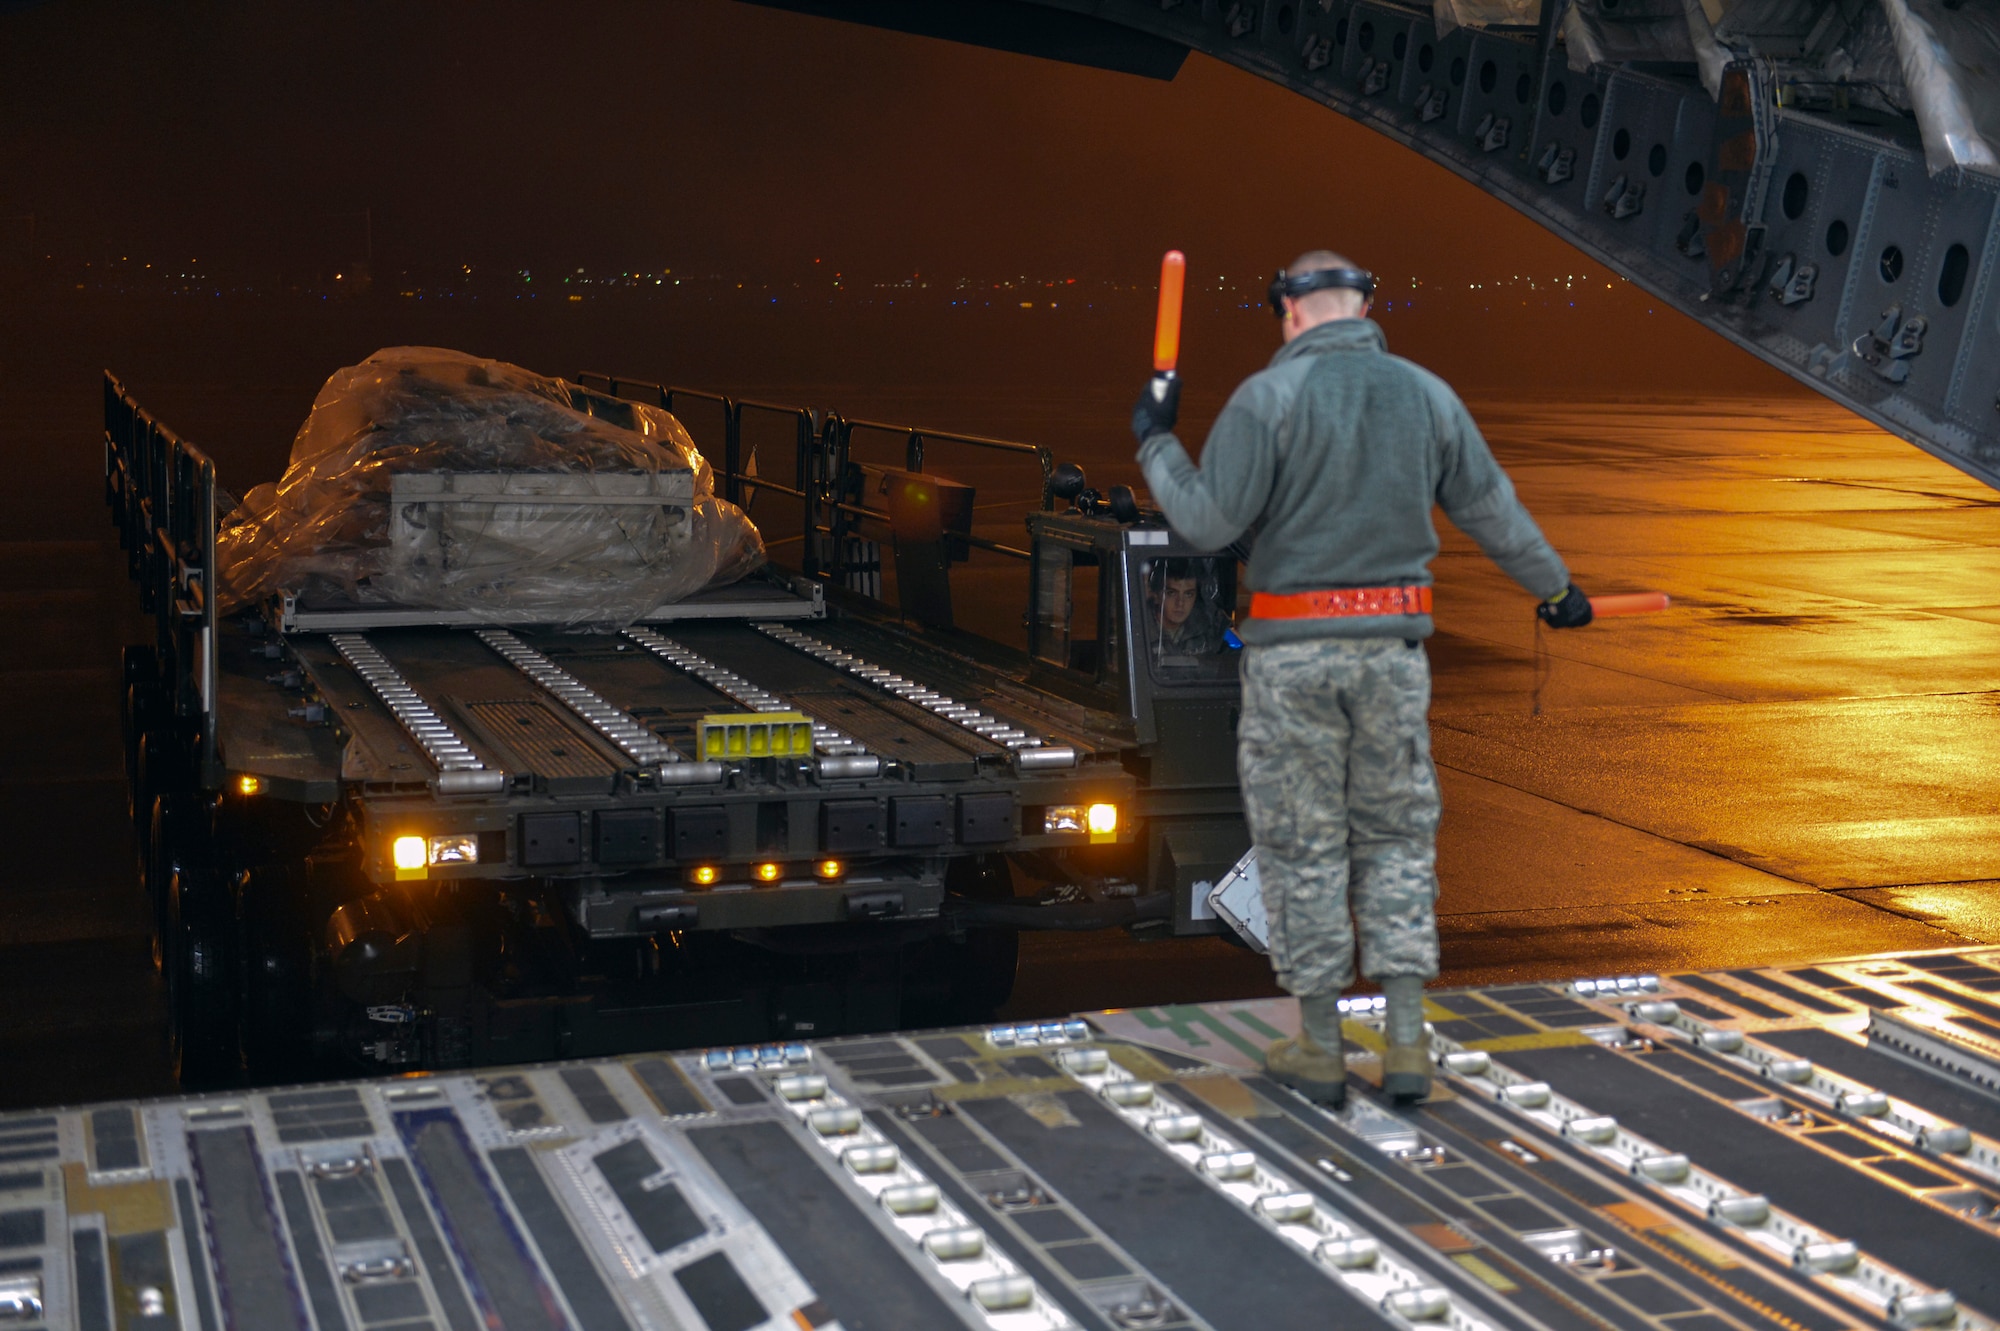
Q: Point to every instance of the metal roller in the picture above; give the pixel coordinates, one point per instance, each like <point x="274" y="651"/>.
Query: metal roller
<point x="459" y="769"/>
<point x="636" y="742"/>
<point x="833" y="743"/>
<point x="1030" y="753"/>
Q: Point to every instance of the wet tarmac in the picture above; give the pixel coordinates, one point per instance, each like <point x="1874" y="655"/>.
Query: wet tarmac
<point x="1798" y="760"/>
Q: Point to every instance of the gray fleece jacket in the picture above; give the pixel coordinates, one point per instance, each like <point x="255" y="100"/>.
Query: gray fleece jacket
<point x="1332" y="457"/>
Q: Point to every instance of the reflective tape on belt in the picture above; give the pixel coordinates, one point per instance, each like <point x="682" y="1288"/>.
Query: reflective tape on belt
<point x="1337" y="602"/>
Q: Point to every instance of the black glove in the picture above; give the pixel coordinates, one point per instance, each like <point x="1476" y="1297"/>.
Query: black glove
<point x="1159" y="406"/>
<point x="1571" y="610"/>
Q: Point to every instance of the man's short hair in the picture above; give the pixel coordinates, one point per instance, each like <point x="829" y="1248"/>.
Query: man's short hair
<point x="1179" y="568"/>
<point x="1339" y="302"/>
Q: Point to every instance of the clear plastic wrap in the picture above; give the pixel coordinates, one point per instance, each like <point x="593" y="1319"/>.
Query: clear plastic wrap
<point x="1950" y="58"/>
<point x="1653" y="30"/>
<point x="1452" y="14"/>
<point x="433" y="480"/>
<point x="1709" y="55"/>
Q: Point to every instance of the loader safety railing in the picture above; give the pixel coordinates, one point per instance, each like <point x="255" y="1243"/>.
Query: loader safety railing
<point x="161" y="493"/>
<point x="914" y="441"/>
<point x="822" y="474"/>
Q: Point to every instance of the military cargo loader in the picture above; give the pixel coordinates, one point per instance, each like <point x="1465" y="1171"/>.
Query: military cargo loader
<point x="380" y="838"/>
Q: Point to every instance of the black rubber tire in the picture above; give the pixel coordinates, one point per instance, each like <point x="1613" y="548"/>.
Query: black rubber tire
<point x="157" y="770"/>
<point x="986" y="979"/>
<point x="138" y="710"/>
<point x="156" y="869"/>
<point x="200" y="952"/>
<point x="274" y="975"/>
<point x="142" y="686"/>
<point x="141" y="664"/>
<point x="177" y="835"/>
<point x="983" y="966"/>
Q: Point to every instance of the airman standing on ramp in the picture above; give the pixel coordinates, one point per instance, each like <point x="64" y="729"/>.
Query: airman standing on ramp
<point x="1333" y="456"/>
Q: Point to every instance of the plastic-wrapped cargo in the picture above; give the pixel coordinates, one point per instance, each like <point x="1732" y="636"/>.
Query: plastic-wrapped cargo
<point x="1597" y="32"/>
<point x="429" y="479"/>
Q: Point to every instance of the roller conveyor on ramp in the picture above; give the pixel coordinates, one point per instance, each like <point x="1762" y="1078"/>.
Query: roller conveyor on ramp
<point x="1687" y="1153"/>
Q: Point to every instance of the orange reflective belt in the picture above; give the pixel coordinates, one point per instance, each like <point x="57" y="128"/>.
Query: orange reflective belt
<point x="1341" y="601"/>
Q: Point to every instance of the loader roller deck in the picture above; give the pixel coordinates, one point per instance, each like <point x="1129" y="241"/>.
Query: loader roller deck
<point x="457" y="679"/>
<point x="1689" y="1153"/>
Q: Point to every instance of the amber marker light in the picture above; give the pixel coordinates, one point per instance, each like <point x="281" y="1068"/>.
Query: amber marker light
<point x="704" y="875"/>
<point x="829" y="869"/>
<point x="411" y="853"/>
<point x="769" y="873"/>
<point x="249" y="785"/>
<point x="1102" y="820"/>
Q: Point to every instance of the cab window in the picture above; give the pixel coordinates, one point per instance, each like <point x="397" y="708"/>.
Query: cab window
<point x="1066" y="597"/>
<point x="1184" y="614"/>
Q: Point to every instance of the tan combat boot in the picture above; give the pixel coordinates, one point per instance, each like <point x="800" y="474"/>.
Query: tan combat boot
<point x="1312" y="1063"/>
<point x="1406" y="1063"/>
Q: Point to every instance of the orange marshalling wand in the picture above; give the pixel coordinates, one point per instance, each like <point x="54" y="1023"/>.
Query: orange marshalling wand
<point x="1167" y="331"/>
<point x="1629" y="603"/>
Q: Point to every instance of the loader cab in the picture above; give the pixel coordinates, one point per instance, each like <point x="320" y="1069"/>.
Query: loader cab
<point x="1127" y="617"/>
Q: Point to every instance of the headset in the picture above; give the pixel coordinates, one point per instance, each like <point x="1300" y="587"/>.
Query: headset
<point x="1322" y="279"/>
<point x="1208" y="587"/>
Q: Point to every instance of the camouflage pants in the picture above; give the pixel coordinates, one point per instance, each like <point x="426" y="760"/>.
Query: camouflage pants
<point x="1334" y="752"/>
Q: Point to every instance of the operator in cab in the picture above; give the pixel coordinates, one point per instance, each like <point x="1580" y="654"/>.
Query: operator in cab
<point x="1183" y="612"/>
<point x="1334" y="455"/>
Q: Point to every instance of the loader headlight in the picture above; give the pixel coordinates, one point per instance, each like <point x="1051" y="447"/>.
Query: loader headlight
<point x="412" y="855"/>
<point x="1062" y="818"/>
<point x="460" y="848"/>
<point x="1099" y="820"/>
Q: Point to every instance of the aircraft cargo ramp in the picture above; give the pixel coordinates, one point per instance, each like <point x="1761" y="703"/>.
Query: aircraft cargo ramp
<point x="1815" y="1148"/>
